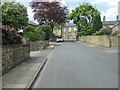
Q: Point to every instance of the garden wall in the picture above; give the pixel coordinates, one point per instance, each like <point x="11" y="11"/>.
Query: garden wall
<point x="104" y="40"/>
<point x="12" y="55"/>
<point x="38" y="45"/>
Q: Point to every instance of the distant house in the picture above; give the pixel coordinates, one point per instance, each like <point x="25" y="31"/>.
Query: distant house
<point x="32" y="23"/>
<point x="70" y="31"/>
<point x="116" y="27"/>
<point x="109" y="23"/>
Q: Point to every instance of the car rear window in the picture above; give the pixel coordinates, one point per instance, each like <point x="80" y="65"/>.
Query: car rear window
<point x="59" y="37"/>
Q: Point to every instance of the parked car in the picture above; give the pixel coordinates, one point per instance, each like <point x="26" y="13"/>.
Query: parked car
<point x="59" y="39"/>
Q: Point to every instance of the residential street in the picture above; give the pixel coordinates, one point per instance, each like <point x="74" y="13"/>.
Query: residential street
<point x="75" y="65"/>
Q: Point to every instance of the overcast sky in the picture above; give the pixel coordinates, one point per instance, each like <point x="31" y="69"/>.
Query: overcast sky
<point x="108" y="8"/>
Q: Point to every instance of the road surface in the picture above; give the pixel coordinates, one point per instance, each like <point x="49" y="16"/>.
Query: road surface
<point x="75" y="65"/>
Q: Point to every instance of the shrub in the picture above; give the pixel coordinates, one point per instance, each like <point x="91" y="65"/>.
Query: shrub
<point x="98" y="32"/>
<point x="10" y="37"/>
<point x="40" y="34"/>
<point x="106" y="31"/>
<point x="29" y="29"/>
<point x="82" y="33"/>
<point x="47" y="30"/>
<point x="31" y="35"/>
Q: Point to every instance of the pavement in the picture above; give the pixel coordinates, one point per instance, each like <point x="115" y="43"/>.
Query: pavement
<point x="76" y="65"/>
<point x="24" y="74"/>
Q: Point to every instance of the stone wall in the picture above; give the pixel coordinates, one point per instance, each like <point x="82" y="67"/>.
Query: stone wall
<point x="103" y="40"/>
<point x="38" y="45"/>
<point x="12" y="55"/>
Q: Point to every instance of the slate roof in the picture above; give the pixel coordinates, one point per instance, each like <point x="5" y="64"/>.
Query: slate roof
<point x="70" y="24"/>
<point x="32" y="23"/>
<point x="104" y="23"/>
<point x="109" y="22"/>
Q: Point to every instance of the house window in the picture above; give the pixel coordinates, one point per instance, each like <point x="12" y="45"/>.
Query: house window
<point x="118" y="28"/>
<point x="69" y="29"/>
<point x="75" y="29"/>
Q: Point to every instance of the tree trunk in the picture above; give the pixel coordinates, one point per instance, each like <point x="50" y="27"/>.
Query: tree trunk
<point x="61" y="31"/>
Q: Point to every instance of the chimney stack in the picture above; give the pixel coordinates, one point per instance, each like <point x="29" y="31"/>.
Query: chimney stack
<point x="117" y="18"/>
<point x="104" y="19"/>
<point x="119" y="11"/>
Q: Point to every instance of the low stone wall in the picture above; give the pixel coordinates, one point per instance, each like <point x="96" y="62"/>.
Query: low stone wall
<point x="38" y="45"/>
<point x="12" y="55"/>
<point x="103" y="40"/>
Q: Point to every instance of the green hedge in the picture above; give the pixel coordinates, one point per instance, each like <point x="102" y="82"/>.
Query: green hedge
<point x="39" y="33"/>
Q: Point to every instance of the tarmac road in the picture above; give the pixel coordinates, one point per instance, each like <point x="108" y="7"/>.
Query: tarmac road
<point x="75" y="65"/>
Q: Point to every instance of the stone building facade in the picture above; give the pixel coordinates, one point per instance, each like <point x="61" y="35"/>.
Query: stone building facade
<point x="69" y="31"/>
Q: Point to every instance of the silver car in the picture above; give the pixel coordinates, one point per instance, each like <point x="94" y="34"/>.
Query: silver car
<point x="59" y="39"/>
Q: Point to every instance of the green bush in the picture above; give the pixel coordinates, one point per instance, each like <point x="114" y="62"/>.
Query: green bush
<point x="106" y="31"/>
<point x="31" y="35"/>
<point x="29" y="29"/>
<point x="82" y="33"/>
<point x="40" y="34"/>
<point x="47" y="30"/>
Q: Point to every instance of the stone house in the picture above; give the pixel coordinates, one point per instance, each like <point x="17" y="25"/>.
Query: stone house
<point x="109" y="23"/>
<point x="31" y="23"/>
<point x="69" y="31"/>
<point x="116" y="27"/>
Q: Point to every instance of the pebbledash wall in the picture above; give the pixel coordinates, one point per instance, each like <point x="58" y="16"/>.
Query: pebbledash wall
<point x="102" y="40"/>
<point x="12" y="55"/>
<point x="38" y="45"/>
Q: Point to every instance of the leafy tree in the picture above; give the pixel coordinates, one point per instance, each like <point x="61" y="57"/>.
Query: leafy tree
<point x="97" y="24"/>
<point x="85" y="17"/>
<point x="14" y="14"/>
<point x="10" y="36"/>
<point x="47" y="30"/>
<point x="49" y="13"/>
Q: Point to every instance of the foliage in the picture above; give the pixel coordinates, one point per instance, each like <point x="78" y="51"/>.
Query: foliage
<point x="49" y="13"/>
<point x="29" y="29"/>
<point x="41" y="35"/>
<point x="97" y="24"/>
<point x="98" y="32"/>
<point x="14" y="14"/>
<point x="87" y="19"/>
<point x="47" y="30"/>
<point x="10" y="37"/>
<point x="38" y="33"/>
<point x="106" y="31"/>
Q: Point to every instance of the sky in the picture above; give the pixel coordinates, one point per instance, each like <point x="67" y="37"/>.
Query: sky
<point x="108" y="8"/>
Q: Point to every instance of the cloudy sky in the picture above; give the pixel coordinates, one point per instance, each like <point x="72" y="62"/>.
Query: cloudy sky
<point x="108" y="8"/>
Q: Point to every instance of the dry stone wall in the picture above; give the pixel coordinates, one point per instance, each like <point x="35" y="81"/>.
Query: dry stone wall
<point x="103" y="40"/>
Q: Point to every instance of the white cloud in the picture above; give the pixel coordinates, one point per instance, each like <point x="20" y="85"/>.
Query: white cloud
<point x="110" y="14"/>
<point x="108" y="2"/>
<point x="30" y="13"/>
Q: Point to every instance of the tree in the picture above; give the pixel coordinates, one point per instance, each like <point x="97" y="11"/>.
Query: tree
<point x="97" y="24"/>
<point x="14" y="15"/>
<point x="85" y="17"/>
<point x="49" y="13"/>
